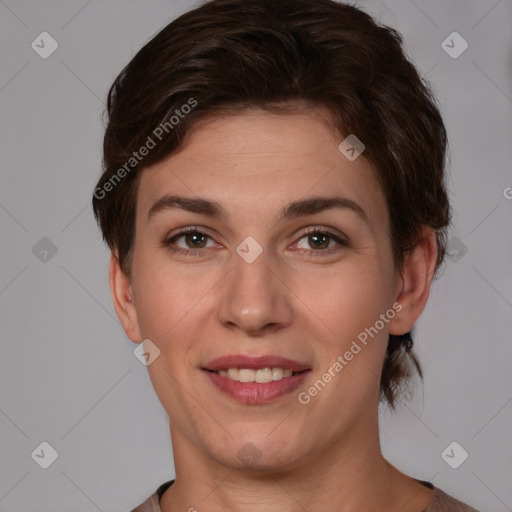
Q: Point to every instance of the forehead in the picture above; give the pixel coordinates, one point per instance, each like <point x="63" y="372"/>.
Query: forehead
<point x="256" y="161"/>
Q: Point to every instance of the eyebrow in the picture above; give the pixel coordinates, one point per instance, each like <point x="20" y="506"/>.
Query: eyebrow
<point x="299" y="208"/>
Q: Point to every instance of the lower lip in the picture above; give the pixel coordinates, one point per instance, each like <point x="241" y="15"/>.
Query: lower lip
<point x="255" y="392"/>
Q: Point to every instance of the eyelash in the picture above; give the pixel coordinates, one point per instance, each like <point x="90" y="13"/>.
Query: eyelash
<point x="198" y="252"/>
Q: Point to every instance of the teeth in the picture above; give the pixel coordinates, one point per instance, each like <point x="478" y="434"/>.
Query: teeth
<point x="233" y="373"/>
<point x="277" y="373"/>
<point x="261" y="375"/>
<point x="245" y="375"/>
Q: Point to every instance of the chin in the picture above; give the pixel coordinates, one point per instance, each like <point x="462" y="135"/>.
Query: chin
<point x="258" y="453"/>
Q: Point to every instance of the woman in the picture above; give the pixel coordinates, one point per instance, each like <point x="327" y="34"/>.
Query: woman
<point x="274" y="199"/>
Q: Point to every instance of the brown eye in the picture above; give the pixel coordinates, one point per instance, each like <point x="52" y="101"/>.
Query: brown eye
<point x="194" y="240"/>
<point x="197" y="239"/>
<point x="319" y="240"/>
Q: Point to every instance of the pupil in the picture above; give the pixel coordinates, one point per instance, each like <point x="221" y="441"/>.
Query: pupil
<point x="195" y="237"/>
<point x="317" y="237"/>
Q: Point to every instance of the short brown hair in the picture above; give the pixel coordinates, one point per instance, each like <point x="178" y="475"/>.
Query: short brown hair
<point x="228" y="55"/>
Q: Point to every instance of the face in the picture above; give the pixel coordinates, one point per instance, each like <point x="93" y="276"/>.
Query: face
<point x="255" y="280"/>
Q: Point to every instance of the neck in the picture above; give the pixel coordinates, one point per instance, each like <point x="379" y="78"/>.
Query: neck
<point x="348" y="476"/>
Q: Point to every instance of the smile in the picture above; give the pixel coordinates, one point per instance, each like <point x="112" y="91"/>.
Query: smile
<point x="261" y="375"/>
<point x="255" y="379"/>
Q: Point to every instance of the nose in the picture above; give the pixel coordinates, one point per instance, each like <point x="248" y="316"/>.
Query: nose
<point x="254" y="298"/>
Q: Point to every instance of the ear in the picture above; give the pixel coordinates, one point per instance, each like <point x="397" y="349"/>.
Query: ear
<point x="121" y="290"/>
<point x="412" y="287"/>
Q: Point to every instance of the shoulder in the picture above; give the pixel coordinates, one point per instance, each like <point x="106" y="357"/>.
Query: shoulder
<point x="152" y="504"/>
<point x="442" y="502"/>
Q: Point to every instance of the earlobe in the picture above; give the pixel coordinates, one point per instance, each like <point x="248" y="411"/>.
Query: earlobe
<point x="416" y="278"/>
<point x="122" y="296"/>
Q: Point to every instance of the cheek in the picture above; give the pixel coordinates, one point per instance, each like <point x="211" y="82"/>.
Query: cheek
<point x="165" y="307"/>
<point x="350" y="301"/>
<point x="164" y="293"/>
<point x="348" y="298"/>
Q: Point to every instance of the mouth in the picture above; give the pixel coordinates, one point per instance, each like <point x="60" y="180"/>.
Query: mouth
<point x="253" y="380"/>
<point x="260" y="375"/>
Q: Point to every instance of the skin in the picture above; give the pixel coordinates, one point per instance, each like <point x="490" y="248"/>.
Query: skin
<point x="289" y="302"/>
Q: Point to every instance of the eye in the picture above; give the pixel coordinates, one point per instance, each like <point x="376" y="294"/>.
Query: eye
<point x="320" y="240"/>
<point x="196" y="240"/>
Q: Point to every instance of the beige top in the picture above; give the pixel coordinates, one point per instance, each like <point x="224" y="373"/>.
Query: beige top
<point x="441" y="502"/>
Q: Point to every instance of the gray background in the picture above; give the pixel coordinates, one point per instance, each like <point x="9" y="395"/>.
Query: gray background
<point x="68" y="375"/>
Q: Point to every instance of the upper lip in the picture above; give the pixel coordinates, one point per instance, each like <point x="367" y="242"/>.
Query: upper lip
<point x="254" y="363"/>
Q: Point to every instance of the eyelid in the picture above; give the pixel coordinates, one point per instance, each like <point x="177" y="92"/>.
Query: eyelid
<point x="325" y="229"/>
<point x="188" y="229"/>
